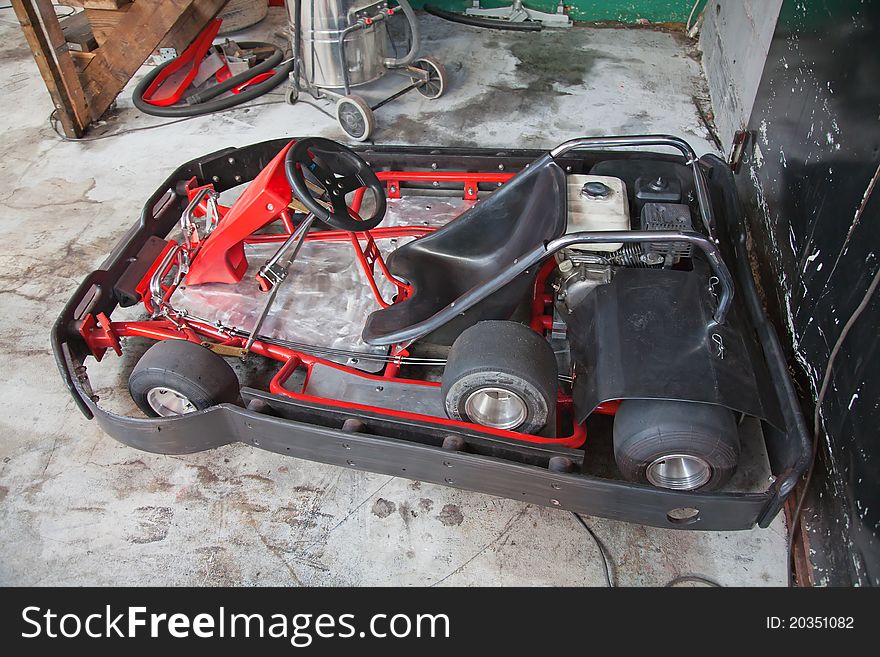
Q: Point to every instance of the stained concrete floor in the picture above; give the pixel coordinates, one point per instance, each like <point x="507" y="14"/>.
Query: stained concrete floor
<point x="78" y="508"/>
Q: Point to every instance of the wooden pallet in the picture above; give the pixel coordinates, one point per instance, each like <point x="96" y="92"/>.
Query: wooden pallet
<point x="78" y="33"/>
<point x="84" y="84"/>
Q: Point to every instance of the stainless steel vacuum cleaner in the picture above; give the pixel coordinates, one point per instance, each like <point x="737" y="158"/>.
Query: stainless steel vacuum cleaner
<point x="341" y="44"/>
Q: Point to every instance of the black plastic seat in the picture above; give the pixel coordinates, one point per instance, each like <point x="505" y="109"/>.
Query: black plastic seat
<point x="472" y="249"/>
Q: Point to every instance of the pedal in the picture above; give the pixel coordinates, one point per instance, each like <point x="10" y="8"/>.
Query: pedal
<point x="225" y="350"/>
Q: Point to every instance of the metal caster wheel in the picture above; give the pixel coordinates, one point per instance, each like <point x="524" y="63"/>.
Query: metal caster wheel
<point x="291" y="95"/>
<point x="355" y="117"/>
<point x="438" y="80"/>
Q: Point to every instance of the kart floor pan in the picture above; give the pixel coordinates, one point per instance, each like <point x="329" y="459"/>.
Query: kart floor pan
<point x="324" y="300"/>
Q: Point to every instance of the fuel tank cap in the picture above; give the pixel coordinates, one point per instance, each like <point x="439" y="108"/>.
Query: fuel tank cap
<point x="595" y="189"/>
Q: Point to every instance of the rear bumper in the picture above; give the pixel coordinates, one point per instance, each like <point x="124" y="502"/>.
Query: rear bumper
<point x="413" y="449"/>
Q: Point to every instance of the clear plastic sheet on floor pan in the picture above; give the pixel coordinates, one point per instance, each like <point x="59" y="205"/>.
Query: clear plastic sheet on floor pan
<point x="325" y="298"/>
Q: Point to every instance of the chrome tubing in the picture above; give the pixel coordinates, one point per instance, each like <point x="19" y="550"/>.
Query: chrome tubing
<point x="700" y="185"/>
<point x="295" y="242"/>
<point x="343" y="64"/>
<point x="297" y="237"/>
<point x="156" y="292"/>
<point x="212" y="216"/>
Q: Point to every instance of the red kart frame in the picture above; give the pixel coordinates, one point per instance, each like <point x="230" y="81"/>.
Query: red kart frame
<point x="267" y="200"/>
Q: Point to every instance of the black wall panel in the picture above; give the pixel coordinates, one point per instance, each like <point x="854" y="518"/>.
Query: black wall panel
<point x="810" y="183"/>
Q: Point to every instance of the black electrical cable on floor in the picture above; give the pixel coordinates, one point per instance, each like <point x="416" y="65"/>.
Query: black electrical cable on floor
<point x="702" y="579"/>
<point x="607" y="561"/>
<point x="820" y="399"/>
<point x="55" y="5"/>
<point x="53" y="122"/>
<point x="316" y="106"/>
<point x="610" y="568"/>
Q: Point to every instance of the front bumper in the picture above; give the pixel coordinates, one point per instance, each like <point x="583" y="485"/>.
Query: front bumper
<point x="414" y="449"/>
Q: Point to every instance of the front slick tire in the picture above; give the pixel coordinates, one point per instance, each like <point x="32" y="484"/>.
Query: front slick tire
<point x="176" y="377"/>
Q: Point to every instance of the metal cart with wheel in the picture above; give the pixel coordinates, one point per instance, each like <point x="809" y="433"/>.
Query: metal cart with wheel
<point x="340" y="44"/>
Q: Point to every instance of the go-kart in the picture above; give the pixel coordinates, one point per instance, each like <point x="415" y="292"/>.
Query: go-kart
<point x="459" y="316"/>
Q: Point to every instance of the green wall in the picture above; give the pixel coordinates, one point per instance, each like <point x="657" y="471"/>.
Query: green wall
<point x="656" y="11"/>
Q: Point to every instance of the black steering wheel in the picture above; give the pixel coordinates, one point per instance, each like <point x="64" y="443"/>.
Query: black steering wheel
<point x="339" y="171"/>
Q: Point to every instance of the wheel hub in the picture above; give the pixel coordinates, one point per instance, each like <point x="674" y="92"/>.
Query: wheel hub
<point x="679" y="472"/>
<point x="168" y="403"/>
<point x="353" y="121"/>
<point x="433" y="86"/>
<point x="496" y="407"/>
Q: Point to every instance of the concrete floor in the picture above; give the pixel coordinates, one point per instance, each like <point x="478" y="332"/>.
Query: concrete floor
<point x="78" y="508"/>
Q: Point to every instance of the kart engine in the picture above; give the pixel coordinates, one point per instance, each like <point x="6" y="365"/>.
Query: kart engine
<point x="601" y="203"/>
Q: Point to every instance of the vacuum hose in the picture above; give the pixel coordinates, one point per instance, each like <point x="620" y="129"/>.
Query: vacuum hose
<point x="415" y="38"/>
<point x="206" y="102"/>
<point x="477" y="21"/>
<point x="297" y="43"/>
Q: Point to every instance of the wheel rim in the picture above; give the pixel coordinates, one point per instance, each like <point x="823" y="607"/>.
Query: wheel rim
<point x="434" y="86"/>
<point x="352" y="120"/>
<point x="167" y="402"/>
<point x="679" y="472"/>
<point x="496" y="407"/>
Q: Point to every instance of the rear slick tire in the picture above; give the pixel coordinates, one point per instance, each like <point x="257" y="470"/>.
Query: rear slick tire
<point x="675" y="444"/>
<point x="503" y="375"/>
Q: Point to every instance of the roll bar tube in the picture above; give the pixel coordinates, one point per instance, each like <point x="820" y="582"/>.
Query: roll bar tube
<point x="707" y="245"/>
<point x="541" y="253"/>
<point x="700" y="185"/>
